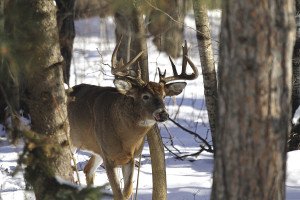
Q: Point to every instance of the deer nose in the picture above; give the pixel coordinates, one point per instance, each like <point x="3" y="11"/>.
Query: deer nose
<point x="160" y="115"/>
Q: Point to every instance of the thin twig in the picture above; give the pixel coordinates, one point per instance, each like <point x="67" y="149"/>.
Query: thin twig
<point x="177" y="156"/>
<point x="195" y="135"/>
<point x="193" y="154"/>
<point x="171" y="138"/>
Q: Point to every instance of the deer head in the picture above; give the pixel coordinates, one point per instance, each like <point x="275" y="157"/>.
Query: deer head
<point x="150" y="94"/>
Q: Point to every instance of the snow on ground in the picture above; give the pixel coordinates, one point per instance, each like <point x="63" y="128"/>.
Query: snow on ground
<point x="187" y="179"/>
<point x="293" y="176"/>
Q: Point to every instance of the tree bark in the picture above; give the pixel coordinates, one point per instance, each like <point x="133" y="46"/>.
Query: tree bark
<point x="257" y="40"/>
<point x="207" y="63"/>
<point x="37" y="54"/>
<point x="32" y="49"/>
<point x="130" y="24"/>
<point x="66" y="27"/>
<point x="158" y="164"/>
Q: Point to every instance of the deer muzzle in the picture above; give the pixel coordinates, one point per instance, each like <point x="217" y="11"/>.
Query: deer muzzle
<point x="160" y="115"/>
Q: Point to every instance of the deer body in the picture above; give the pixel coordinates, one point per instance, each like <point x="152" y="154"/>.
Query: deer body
<point x="113" y="122"/>
<point x="106" y="111"/>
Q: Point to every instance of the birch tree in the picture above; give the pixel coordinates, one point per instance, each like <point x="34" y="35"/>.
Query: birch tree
<point x="207" y="62"/>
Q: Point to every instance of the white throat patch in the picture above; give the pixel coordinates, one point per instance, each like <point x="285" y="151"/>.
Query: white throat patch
<point x="147" y="122"/>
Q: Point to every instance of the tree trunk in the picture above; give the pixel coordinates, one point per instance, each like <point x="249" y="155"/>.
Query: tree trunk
<point x="158" y="164"/>
<point x="2" y="76"/>
<point x="9" y="75"/>
<point x="66" y="27"/>
<point x="130" y="24"/>
<point x="294" y="137"/>
<point x="254" y="99"/>
<point x="32" y="49"/>
<point x="296" y="63"/>
<point x="1" y="17"/>
<point x="168" y="33"/>
<point x="297" y="4"/>
<point x="207" y="63"/>
<point x="36" y="51"/>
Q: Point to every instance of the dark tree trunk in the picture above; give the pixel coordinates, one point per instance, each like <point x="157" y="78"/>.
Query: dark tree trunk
<point x="294" y="136"/>
<point x="255" y="74"/>
<point x="296" y="63"/>
<point x="1" y="17"/>
<point x="65" y="21"/>
<point x="9" y="75"/>
<point x="297" y="3"/>
<point x="130" y="24"/>
<point x="207" y="63"/>
<point x="2" y="66"/>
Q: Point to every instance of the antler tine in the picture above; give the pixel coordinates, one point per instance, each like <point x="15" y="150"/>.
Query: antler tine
<point x="183" y="75"/>
<point x="115" y="64"/>
<point x="161" y="75"/>
<point x="133" y="60"/>
<point x="138" y="78"/>
<point x="195" y="73"/>
<point x="114" y="55"/>
<point x="173" y="67"/>
<point x="118" y="67"/>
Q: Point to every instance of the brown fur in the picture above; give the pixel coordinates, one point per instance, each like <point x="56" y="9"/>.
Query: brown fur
<point x="114" y="125"/>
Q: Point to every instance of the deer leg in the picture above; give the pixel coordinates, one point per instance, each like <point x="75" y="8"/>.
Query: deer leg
<point x="111" y="171"/>
<point x="127" y="171"/>
<point x="91" y="167"/>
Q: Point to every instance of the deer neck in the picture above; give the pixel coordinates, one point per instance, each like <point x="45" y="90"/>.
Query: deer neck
<point x="132" y="117"/>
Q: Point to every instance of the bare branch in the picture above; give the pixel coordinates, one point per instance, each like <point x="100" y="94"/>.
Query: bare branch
<point x="209" y="149"/>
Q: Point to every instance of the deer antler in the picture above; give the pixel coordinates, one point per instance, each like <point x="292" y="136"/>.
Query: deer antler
<point x="119" y="69"/>
<point x="183" y="75"/>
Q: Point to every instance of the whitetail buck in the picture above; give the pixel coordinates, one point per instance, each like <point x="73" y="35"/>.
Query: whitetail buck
<point x="113" y="122"/>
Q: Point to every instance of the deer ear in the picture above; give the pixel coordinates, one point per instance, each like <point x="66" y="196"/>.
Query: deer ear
<point x="122" y="86"/>
<point x="173" y="89"/>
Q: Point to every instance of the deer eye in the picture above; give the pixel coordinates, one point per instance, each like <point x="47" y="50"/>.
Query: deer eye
<point x="146" y="97"/>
